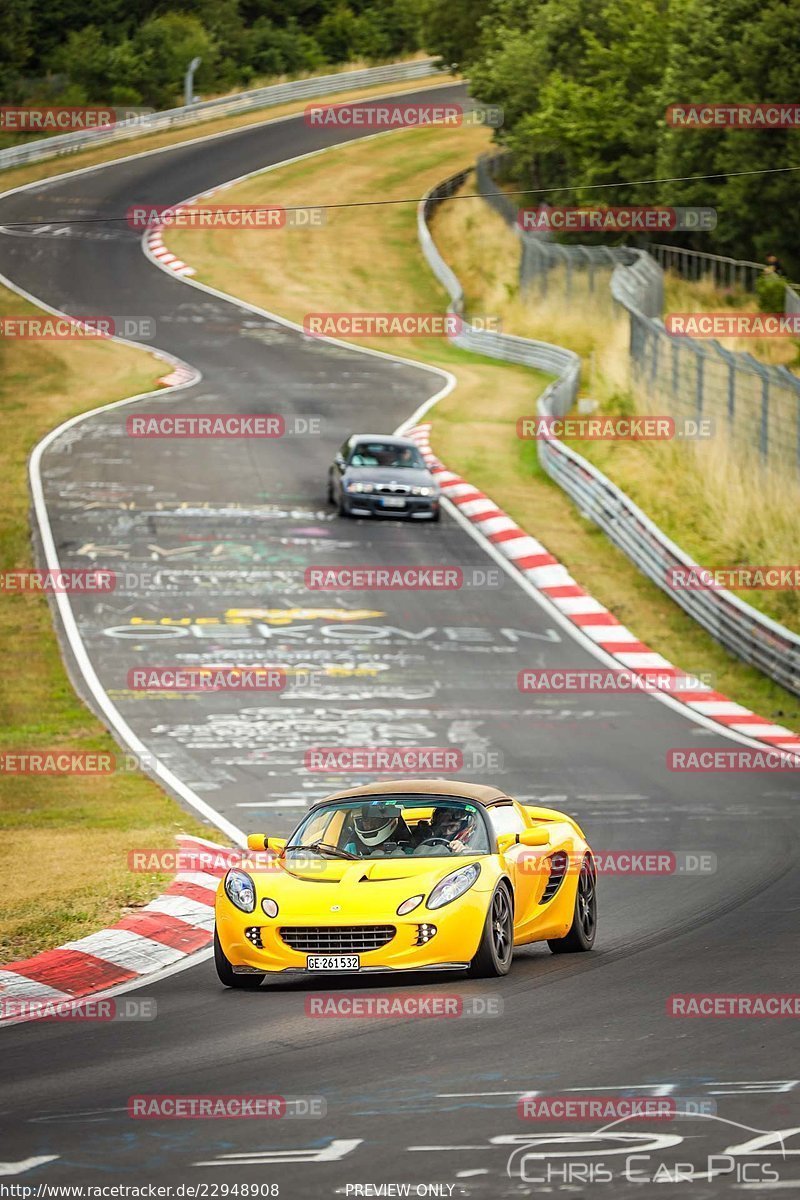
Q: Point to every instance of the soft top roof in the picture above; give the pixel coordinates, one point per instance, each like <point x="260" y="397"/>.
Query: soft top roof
<point x="479" y="792"/>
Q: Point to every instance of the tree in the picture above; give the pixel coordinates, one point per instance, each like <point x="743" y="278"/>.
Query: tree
<point x="747" y="50"/>
<point x="15" y="46"/>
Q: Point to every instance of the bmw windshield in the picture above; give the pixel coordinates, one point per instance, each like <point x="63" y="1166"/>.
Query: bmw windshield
<point x="386" y="454"/>
<point x="392" y="827"/>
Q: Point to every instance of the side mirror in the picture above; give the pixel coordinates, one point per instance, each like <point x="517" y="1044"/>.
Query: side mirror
<point x="534" y="837"/>
<point x="260" y="842"/>
<point x="528" y="837"/>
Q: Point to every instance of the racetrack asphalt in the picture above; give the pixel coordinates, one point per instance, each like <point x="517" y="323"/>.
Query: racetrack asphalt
<point x="218" y="535"/>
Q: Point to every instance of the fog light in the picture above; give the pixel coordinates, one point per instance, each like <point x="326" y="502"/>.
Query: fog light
<point x="425" y="933"/>
<point x="253" y="935"/>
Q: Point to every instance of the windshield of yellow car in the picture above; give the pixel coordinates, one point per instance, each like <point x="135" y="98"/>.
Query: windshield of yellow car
<point x="369" y="827"/>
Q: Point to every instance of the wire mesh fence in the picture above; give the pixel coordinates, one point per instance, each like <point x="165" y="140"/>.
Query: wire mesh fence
<point x="756" y="404"/>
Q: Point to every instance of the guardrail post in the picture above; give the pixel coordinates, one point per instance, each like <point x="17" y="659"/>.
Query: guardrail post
<point x="675" y="368"/>
<point x="701" y="362"/>
<point x="654" y="359"/>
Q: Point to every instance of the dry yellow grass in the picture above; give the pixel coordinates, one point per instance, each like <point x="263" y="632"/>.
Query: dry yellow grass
<point x="682" y="296"/>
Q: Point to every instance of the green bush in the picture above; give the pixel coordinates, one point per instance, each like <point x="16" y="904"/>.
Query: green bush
<point x="771" y="292"/>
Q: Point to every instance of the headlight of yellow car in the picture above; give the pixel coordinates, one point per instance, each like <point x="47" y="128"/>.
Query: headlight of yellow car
<point x="240" y="890"/>
<point x="453" y="885"/>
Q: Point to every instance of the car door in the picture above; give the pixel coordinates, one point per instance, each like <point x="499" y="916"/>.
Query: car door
<point x="509" y="817"/>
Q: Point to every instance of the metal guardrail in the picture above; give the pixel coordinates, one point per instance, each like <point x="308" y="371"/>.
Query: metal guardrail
<point x="564" y="364"/>
<point x="695" y="264"/>
<point x="266" y="97"/>
<point x="747" y="633"/>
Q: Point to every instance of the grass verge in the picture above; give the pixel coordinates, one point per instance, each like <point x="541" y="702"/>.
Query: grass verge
<point x="368" y="259"/>
<point x="63" y="839"/>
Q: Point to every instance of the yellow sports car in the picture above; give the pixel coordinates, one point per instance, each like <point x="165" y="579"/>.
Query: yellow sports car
<point x="412" y="875"/>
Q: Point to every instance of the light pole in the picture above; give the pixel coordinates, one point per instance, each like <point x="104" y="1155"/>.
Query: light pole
<point x="188" y="81"/>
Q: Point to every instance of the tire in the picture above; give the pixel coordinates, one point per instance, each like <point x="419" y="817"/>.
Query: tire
<point x="341" y="506"/>
<point x="226" y="974"/>
<point x="436" y="516"/>
<point x="496" y="947"/>
<point x="581" y="934"/>
<point x="330" y="491"/>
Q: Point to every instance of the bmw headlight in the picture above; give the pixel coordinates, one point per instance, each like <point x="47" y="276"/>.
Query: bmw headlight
<point x="423" y="491"/>
<point x="453" y="886"/>
<point x="240" y="890"/>
<point x="358" y="486"/>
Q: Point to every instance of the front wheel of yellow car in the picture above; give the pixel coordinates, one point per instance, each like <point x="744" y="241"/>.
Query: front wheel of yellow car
<point x="226" y="973"/>
<point x="496" y="947"/>
<point x="582" y="931"/>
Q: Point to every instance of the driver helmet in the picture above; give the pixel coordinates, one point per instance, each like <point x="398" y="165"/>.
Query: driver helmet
<point x="376" y="823"/>
<point x="449" y="822"/>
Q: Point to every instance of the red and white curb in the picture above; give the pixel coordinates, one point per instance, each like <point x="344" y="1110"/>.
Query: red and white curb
<point x="176" y="924"/>
<point x="178" y="377"/>
<point x="155" y="243"/>
<point x="554" y="581"/>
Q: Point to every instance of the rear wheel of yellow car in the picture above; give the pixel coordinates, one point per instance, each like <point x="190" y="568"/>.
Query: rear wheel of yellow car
<point x="496" y="947"/>
<point x="226" y="972"/>
<point x="583" y="929"/>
